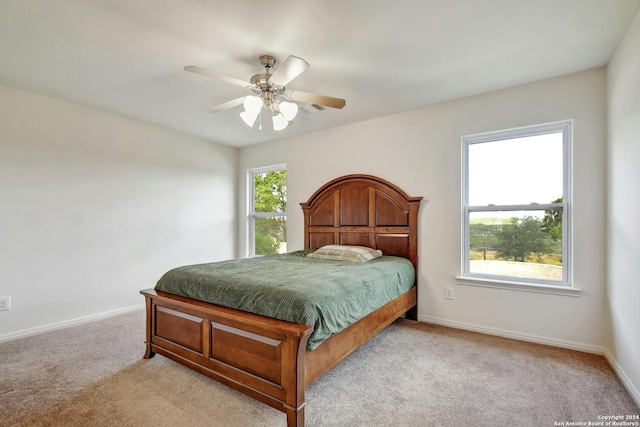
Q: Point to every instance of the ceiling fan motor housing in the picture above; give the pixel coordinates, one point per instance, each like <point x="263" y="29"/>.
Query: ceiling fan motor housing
<point x="260" y="81"/>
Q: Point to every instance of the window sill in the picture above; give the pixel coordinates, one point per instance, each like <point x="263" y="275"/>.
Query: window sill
<point x="518" y="286"/>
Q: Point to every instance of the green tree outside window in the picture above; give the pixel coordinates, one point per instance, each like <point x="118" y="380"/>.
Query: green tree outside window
<point x="270" y="197"/>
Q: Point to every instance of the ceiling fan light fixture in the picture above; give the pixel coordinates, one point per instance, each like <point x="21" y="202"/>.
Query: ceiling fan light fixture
<point x="252" y="104"/>
<point x="252" y="107"/>
<point x="249" y="118"/>
<point x="289" y="110"/>
<point x="279" y="122"/>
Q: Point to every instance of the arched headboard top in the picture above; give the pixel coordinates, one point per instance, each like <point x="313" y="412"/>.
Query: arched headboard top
<point x="363" y="210"/>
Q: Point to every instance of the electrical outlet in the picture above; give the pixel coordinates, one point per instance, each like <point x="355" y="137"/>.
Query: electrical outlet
<point x="448" y="292"/>
<point x="5" y="303"/>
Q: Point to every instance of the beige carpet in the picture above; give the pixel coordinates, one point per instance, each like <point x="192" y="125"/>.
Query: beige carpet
<point x="411" y="374"/>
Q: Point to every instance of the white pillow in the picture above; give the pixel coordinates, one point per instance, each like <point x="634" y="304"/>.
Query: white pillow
<point x="346" y="253"/>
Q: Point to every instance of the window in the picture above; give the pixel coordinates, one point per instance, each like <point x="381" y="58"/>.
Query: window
<point x="267" y="211"/>
<point x="516" y="199"/>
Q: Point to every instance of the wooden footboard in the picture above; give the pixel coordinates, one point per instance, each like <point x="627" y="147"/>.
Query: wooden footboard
<point x="261" y="357"/>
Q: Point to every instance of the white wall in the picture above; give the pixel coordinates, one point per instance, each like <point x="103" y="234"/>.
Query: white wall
<point x="420" y="151"/>
<point x="623" y="214"/>
<point x="95" y="207"/>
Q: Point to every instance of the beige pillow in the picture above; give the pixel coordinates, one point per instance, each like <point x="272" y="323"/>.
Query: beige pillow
<point x="346" y="253"/>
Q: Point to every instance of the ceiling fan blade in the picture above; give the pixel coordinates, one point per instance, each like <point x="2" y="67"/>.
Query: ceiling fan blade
<point x="291" y="68"/>
<point x="226" y="105"/>
<point x="312" y="98"/>
<point x="205" y="72"/>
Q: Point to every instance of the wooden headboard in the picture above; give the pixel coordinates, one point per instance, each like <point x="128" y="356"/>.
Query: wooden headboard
<point x="363" y="210"/>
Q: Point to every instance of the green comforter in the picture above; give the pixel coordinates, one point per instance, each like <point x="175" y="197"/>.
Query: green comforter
<point x="327" y="295"/>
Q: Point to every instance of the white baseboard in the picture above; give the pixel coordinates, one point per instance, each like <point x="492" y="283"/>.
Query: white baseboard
<point x="633" y="390"/>
<point x="67" y="323"/>
<point x="571" y="345"/>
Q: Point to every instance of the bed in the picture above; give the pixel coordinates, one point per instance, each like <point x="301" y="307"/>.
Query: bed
<point x="266" y="358"/>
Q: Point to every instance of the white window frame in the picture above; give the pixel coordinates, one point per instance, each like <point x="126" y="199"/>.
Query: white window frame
<point x="564" y="286"/>
<point x="251" y="214"/>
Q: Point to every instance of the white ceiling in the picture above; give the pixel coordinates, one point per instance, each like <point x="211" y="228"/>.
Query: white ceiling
<point x="382" y="56"/>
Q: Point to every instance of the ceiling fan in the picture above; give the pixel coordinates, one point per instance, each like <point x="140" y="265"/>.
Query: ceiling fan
<point x="269" y="92"/>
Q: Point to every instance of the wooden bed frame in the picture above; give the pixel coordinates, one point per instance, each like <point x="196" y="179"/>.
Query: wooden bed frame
<point x="266" y="358"/>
